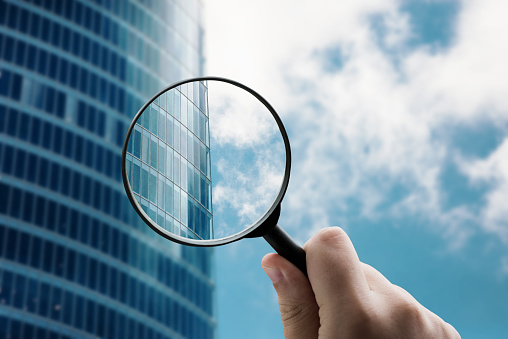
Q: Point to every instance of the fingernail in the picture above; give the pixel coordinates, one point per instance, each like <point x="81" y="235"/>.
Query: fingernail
<point x="273" y="273"/>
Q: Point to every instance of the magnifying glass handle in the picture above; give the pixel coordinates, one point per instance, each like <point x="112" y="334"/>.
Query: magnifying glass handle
<point x="283" y="244"/>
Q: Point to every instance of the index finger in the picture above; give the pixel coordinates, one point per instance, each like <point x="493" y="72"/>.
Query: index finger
<point x="335" y="271"/>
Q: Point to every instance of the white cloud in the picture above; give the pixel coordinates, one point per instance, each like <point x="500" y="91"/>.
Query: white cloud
<point x="367" y="128"/>
<point x="245" y="194"/>
<point x="246" y="181"/>
<point x="493" y="171"/>
<point x="237" y="117"/>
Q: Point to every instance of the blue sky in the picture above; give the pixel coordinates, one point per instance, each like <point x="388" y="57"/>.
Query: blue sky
<point x="397" y="113"/>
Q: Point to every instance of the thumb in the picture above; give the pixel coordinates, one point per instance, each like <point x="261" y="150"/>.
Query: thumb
<point x="298" y="307"/>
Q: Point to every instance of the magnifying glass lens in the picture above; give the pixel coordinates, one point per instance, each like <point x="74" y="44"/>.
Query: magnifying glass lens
<point x="204" y="161"/>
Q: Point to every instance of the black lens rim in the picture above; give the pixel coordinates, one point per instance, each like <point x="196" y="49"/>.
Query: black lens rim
<point x="210" y="242"/>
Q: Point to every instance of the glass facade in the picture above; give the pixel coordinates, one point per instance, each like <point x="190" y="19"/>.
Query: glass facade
<point x="75" y="259"/>
<point x="168" y="162"/>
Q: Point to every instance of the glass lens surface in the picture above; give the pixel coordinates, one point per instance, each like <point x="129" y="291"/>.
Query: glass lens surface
<point x="205" y="160"/>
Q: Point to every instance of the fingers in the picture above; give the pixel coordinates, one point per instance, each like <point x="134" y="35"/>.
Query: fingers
<point x="338" y="282"/>
<point x="298" y="308"/>
<point x="344" y="298"/>
<point x="335" y="272"/>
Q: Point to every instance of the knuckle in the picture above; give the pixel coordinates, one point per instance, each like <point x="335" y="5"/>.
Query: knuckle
<point x="408" y="310"/>
<point x="290" y="312"/>
<point x="442" y="329"/>
<point x="410" y="316"/>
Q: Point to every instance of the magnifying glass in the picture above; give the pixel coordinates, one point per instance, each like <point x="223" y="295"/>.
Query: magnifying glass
<point x="206" y="162"/>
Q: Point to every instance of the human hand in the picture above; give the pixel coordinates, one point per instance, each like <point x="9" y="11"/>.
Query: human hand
<point x="345" y="298"/>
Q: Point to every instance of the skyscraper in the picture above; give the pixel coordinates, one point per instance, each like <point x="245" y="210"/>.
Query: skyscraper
<point x="168" y="161"/>
<point x="75" y="259"/>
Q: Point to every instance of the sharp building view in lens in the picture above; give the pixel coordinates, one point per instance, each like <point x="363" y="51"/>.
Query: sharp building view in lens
<point x="76" y="261"/>
<point x="168" y="162"/>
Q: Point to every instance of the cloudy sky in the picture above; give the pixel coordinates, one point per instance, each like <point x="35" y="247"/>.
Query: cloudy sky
<point x="248" y="158"/>
<point x="397" y="113"/>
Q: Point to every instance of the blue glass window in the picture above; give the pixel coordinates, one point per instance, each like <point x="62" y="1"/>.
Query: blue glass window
<point x="9" y="51"/>
<point x="20" y="53"/>
<point x="16" y="83"/>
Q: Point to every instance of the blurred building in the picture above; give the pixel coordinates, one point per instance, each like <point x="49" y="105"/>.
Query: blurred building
<point x="75" y="259"/>
<point x="168" y="161"/>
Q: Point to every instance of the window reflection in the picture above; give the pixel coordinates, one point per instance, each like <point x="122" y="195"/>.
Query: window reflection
<point x="170" y="146"/>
